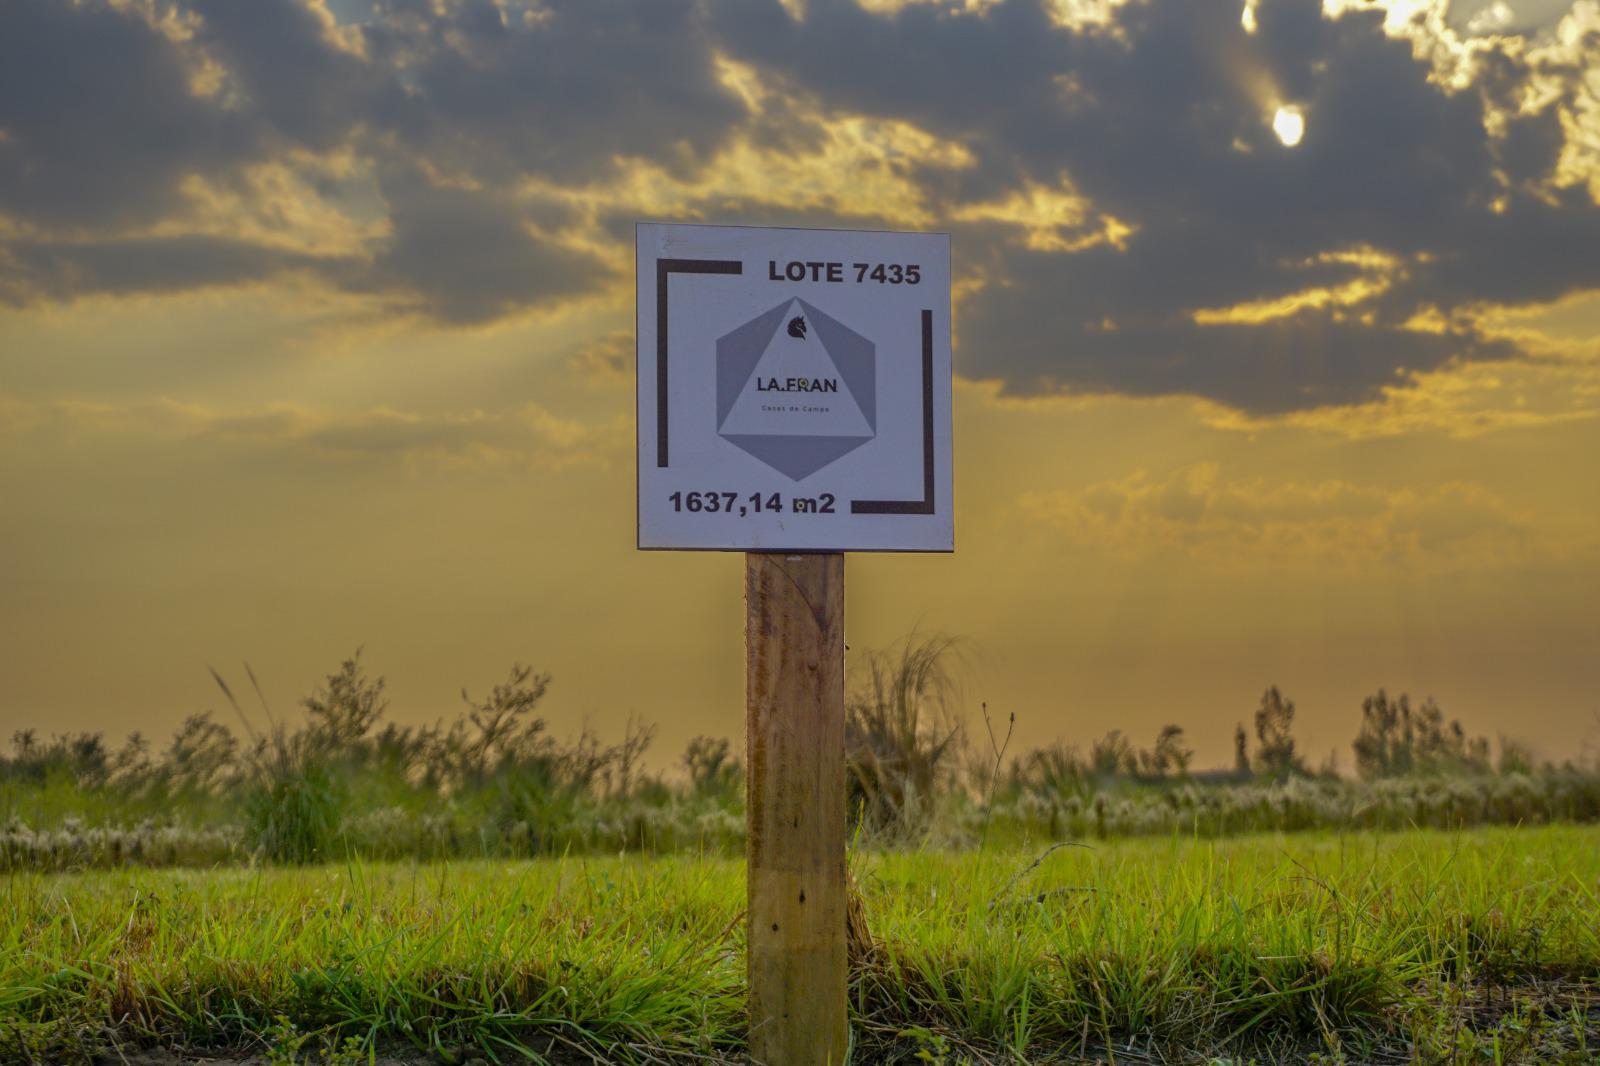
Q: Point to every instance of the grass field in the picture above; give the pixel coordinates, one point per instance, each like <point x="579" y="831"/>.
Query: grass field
<point x="1478" y="946"/>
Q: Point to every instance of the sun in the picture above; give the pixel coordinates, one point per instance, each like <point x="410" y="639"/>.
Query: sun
<point x="1289" y="124"/>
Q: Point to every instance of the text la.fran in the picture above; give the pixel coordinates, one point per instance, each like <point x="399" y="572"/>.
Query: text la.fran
<point x="797" y="385"/>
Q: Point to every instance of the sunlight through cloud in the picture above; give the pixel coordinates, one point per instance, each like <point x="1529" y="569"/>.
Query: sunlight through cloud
<point x="1289" y="124"/>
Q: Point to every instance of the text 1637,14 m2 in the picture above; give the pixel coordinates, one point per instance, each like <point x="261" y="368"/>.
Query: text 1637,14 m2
<point x="741" y="505"/>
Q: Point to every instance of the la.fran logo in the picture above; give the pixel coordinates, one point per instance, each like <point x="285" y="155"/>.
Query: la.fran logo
<point x="796" y="388"/>
<point x="797" y="384"/>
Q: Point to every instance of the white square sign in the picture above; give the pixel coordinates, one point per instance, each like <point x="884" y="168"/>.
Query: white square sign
<point x="794" y="389"/>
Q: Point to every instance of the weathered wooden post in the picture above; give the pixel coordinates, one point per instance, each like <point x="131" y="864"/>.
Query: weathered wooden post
<point x="794" y="403"/>
<point x="794" y="641"/>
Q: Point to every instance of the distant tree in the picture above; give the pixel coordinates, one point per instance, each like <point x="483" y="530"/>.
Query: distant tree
<point x="1396" y="740"/>
<point x="713" y="770"/>
<point x="1444" y="747"/>
<point x="1050" y="772"/>
<point x="623" y="774"/>
<point x="500" y="730"/>
<point x="1386" y="744"/>
<point x="1275" y="753"/>
<point x="131" y="764"/>
<point x="89" y="758"/>
<point x="24" y="745"/>
<point x="80" y="757"/>
<point x="201" y="755"/>
<point x="1168" y="756"/>
<point x="1241" y="751"/>
<point x="1113" y="755"/>
<point x="343" y="711"/>
<point x="1515" y="757"/>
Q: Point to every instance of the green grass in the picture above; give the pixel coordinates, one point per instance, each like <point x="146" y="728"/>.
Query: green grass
<point x="1273" y="946"/>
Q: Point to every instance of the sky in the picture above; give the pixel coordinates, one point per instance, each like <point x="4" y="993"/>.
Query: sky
<point x="1276" y="330"/>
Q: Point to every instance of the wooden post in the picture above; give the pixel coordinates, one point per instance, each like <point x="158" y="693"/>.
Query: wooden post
<point x="795" y="853"/>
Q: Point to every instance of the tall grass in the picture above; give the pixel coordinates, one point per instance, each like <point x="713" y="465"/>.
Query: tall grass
<point x="290" y="798"/>
<point x="903" y="734"/>
<point x="1159" y="950"/>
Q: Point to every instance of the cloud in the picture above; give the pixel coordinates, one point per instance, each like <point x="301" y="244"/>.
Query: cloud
<point x="466" y="257"/>
<point x="1460" y="400"/>
<point x="1125" y="219"/>
<point x="1198" y="512"/>
<point x="1159" y="119"/>
<point x="123" y="122"/>
<point x="1497" y="16"/>
<point x="1309" y="359"/>
<point x="104" y="114"/>
<point x="608" y="361"/>
<point x="289" y="69"/>
<point x="519" y="437"/>
<point x="62" y="269"/>
<point x="562" y="89"/>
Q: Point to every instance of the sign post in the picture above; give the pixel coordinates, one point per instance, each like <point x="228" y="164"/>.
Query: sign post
<point x="794" y="404"/>
<point x="795" y="844"/>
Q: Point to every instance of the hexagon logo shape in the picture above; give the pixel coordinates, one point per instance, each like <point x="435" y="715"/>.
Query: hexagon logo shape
<point x="796" y="388"/>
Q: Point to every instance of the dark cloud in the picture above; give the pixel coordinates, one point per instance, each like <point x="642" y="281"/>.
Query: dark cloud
<point x="453" y="113"/>
<point x="1162" y="121"/>
<point x="288" y="73"/>
<point x="1306" y="359"/>
<point x="44" y="270"/>
<point x="469" y="256"/>
<point x="100" y="121"/>
<point x="558" y="89"/>
<point x="104" y="114"/>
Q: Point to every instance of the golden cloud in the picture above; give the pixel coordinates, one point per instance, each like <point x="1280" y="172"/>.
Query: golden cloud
<point x="1198" y="513"/>
<point x="607" y="361"/>
<point x="853" y="165"/>
<point x="1557" y="383"/>
<point x="1378" y="271"/>
<point x="276" y="205"/>
<point x="1575" y="47"/>
<point x="1058" y="219"/>
<point x="525" y="436"/>
<point x="1456" y="61"/>
<point x="1077" y="15"/>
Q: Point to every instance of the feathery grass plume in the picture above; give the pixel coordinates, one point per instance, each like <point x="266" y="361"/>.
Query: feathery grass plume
<point x="903" y="737"/>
